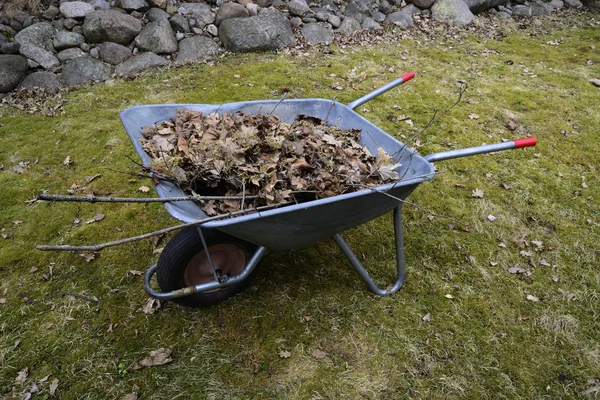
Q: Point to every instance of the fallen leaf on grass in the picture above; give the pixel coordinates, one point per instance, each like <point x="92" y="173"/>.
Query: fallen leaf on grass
<point x="97" y="218"/>
<point x="511" y="125"/>
<point x="44" y="379"/>
<point x="491" y="218"/>
<point x="477" y="193"/>
<point x="144" y="189"/>
<point x="544" y="262"/>
<point x="157" y="357"/>
<point x="426" y="317"/>
<point x="33" y="269"/>
<point x="68" y="161"/>
<point x="595" y="82"/>
<point x="53" y="387"/>
<point x="151" y="306"/>
<point x="448" y="296"/>
<point x="507" y="186"/>
<point x="285" y="354"/>
<point x="532" y="298"/>
<point x="22" y="376"/>
<point x="319" y="354"/>
<point x="493" y="263"/>
<point x="307" y="318"/>
<point x="473" y="116"/>
<point x="21" y="167"/>
<point x="131" y="396"/>
<point x="518" y="270"/>
<point x="2" y="300"/>
<point x="136" y="272"/>
<point x="89" y="257"/>
<point x="525" y="254"/>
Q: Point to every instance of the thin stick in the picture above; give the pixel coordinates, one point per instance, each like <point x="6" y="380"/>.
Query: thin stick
<point x="152" y="234"/>
<point x="330" y="108"/>
<point x="278" y="103"/>
<point x="80" y="296"/>
<point x="94" y="199"/>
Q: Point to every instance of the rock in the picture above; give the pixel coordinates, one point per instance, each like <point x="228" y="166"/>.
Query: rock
<point x="70" y="23"/>
<point x="410" y="9"/>
<point x="70" y="54"/>
<point x="595" y="82"/>
<point x="85" y="47"/>
<point x="192" y="8"/>
<point x="154" y="14"/>
<point x="99" y="4"/>
<point x="349" y="26"/>
<point x="252" y="8"/>
<point x="263" y="3"/>
<point x="477" y="6"/>
<point x="203" y="18"/>
<point x="503" y="14"/>
<point x="197" y="48"/>
<point x="309" y="20"/>
<point x="3" y="39"/>
<point x="369" y="24"/>
<point x="573" y="3"/>
<point x="79" y="71"/>
<point x="157" y="37"/>
<point x="66" y="40"/>
<point x="296" y="22"/>
<point x="298" y="8"/>
<point x="521" y="11"/>
<point x="398" y="18"/>
<point x="16" y="25"/>
<point x="230" y="10"/>
<point x="44" y="80"/>
<point x="557" y="4"/>
<point x="132" y="5"/>
<point x="110" y="26"/>
<point x="212" y="30"/>
<point x="322" y="16"/>
<point x="179" y="36"/>
<point x="358" y="8"/>
<point x="10" y="48"/>
<point x="158" y="3"/>
<point x="266" y="31"/>
<point x="504" y="10"/>
<point x="315" y="33"/>
<point x="41" y="56"/>
<point x="385" y="7"/>
<point x="452" y="11"/>
<point x="140" y="63"/>
<point x="538" y="9"/>
<point x="422" y="4"/>
<point x="32" y="64"/>
<point x="178" y="23"/>
<point x="39" y="34"/>
<point x="76" y="9"/>
<point x="51" y="13"/>
<point x="12" y="69"/>
<point x="377" y="16"/>
<point x="334" y="20"/>
<point x="95" y="52"/>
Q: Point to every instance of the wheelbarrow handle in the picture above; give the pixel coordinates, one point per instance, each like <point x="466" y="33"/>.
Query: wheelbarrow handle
<point x="404" y="78"/>
<point x="488" y="148"/>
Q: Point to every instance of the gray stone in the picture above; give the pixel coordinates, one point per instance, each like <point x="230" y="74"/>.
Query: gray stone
<point x="539" y="9"/>
<point x="95" y="53"/>
<point x="154" y="14"/>
<point x="12" y="69"/>
<point x="230" y="10"/>
<point x="39" y="35"/>
<point x="140" y="63"/>
<point x="158" y="3"/>
<point x="113" y="53"/>
<point x="16" y="25"/>
<point x="410" y="9"/>
<point x="317" y="33"/>
<point x="110" y="26"/>
<point x="573" y="3"/>
<point x="179" y="23"/>
<point x="3" y="39"/>
<point x="309" y="20"/>
<point x="334" y="20"/>
<point x="504" y="10"/>
<point x="296" y="22"/>
<point x="356" y="8"/>
<point x="41" y="56"/>
<point x="192" y="8"/>
<point x="77" y="29"/>
<point x="132" y="5"/>
<point x="29" y="21"/>
<point x="70" y="54"/>
<point x="79" y="71"/>
<point x="157" y="37"/>
<point x="520" y="10"/>
<point x="349" y="26"/>
<point x="452" y="11"/>
<point x="197" y="48"/>
<point x="369" y="24"/>
<point x="385" y="7"/>
<point x="76" y="9"/>
<point x="32" y="64"/>
<point x="69" y="23"/>
<point x="43" y="80"/>
<point x="99" y="4"/>
<point x="252" y="8"/>
<point x="10" y="48"/>
<point x="179" y="36"/>
<point x="558" y="4"/>
<point x="322" y="16"/>
<point x="477" y="6"/>
<point x="203" y="18"/>
<point x="263" y="3"/>
<point x="212" y="30"/>
<point x="267" y="31"/>
<point x="400" y="19"/>
<point x="66" y="40"/>
<point x="298" y="8"/>
<point x="422" y="4"/>
<point x="51" y="13"/>
<point x="377" y="15"/>
<point x="503" y="14"/>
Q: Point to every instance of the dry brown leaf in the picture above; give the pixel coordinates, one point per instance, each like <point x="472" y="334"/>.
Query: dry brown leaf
<point x="477" y="193"/>
<point x="53" y="387"/>
<point x="426" y="317"/>
<point x="2" y="300"/>
<point x="491" y="218"/>
<point x="318" y="354"/>
<point x="144" y="189"/>
<point x="68" y="161"/>
<point x="131" y="396"/>
<point x="136" y="272"/>
<point x="151" y="306"/>
<point x="532" y="298"/>
<point x="511" y="125"/>
<point x="285" y="354"/>
<point x="22" y="376"/>
<point x="545" y="263"/>
<point x="157" y="357"/>
<point x="473" y="116"/>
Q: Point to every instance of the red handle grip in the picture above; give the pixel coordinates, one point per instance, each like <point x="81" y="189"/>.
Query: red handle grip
<point x="527" y="142"/>
<point x="408" y="76"/>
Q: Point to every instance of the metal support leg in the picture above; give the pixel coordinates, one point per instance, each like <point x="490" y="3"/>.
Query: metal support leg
<point x="400" y="262"/>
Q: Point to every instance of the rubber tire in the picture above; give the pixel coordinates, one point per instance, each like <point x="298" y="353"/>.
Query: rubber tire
<point x="181" y="249"/>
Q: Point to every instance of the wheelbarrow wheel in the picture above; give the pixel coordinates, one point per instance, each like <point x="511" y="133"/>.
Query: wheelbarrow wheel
<point x="183" y="262"/>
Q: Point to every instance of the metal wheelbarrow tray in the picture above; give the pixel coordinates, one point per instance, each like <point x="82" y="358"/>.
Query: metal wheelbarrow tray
<point x="214" y="259"/>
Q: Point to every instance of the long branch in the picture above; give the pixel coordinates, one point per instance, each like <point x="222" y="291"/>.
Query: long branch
<point x="155" y="233"/>
<point x="95" y="199"/>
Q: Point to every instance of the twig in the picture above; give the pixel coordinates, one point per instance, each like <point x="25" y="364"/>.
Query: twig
<point x="80" y="296"/>
<point x="94" y="199"/>
<point x="243" y="194"/>
<point x="278" y="103"/>
<point x="330" y="108"/>
<point x="152" y="234"/>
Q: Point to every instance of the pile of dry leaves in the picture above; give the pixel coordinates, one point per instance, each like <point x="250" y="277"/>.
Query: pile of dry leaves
<point x="261" y="158"/>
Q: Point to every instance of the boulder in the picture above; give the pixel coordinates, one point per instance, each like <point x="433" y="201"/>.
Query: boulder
<point x="477" y="6"/>
<point x="69" y="23"/>
<point x="100" y="4"/>
<point x="10" y="48"/>
<point x="520" y="10"/>
<point x="12" y="69"/>
<point x="79" y="71"/>
<point x="368" y="24"/>
<point x="573" y="3"/>
<point x="539" y="9"/>
<point x="557" y="4"/>
<point x="452" y="11"/>
<point x="39" y="34"/>
<point x="334" y="20"/>
<point x="315" y="33"/>
<point x="401" y="19"/>
<point x="66" y="40"/>
<point x="192" y="8"/>
<point x="41" y="56"/>
<point x="298" y="8"/>
<point x="179" y="23"/>
<point x="113" y="53"/>
<point x="140" y="63"/>
<point x="70" y="54"/>
<point x="203" y="18"/>
<point x="197" y="48"/>
<point x="349" y="26"/>
<point x="266" y="31"/>
<point x="76" y="9"/>
<point x="154" y="14"/>
<point x="230" y="10"/>
<point x="51" y="12"/>
<point x="422" y="4"/>
<point x="111" y="26"/>
<point x="44" y="80"/>
<point x="157" y="37"/>
<point x="132" y="5"/>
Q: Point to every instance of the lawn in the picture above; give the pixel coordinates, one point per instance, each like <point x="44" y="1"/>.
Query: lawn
<point x="491" y="309"/>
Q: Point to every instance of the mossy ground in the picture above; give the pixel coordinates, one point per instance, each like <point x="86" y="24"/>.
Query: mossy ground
<point x="487" y="341"/>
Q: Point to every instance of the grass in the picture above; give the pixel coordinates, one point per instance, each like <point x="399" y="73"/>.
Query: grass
<point x="487" y="341"/>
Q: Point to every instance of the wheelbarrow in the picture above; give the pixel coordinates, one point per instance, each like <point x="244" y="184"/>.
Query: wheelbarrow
<point x="210" y="262"/>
